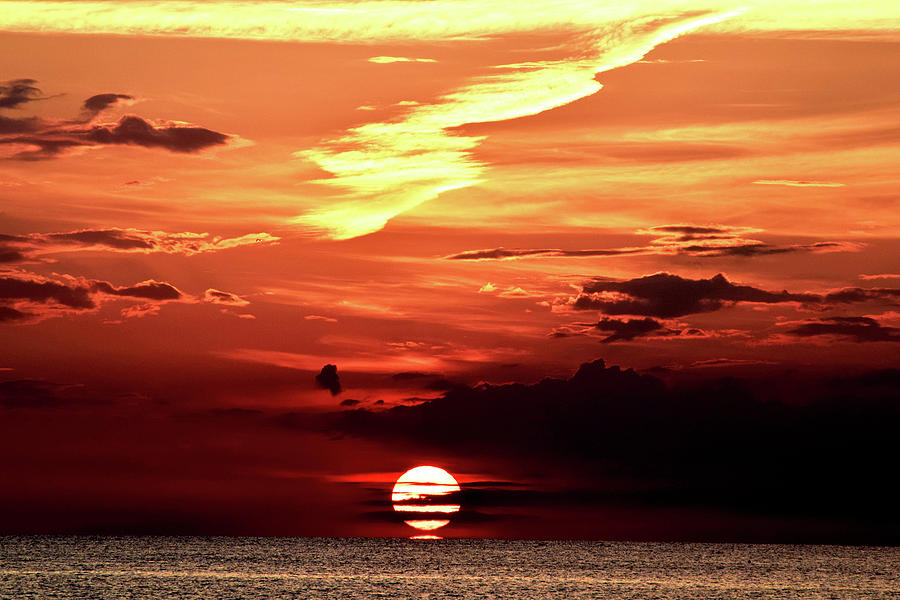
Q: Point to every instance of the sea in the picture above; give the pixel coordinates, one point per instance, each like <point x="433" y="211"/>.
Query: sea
<point x="207" y="568"/>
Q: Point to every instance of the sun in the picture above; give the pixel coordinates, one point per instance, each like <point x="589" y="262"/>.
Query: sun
<point x="422" y="492"/>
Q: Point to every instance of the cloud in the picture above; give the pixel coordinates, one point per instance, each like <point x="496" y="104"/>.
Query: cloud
<point x="136" y="131"/>
<point x="34" y="139"/>
<point x="150" y="290"/>
<point x="395" y="59"/>
<point x="857" y="329"/>
<point x="880" y="276"/>
<point x="320" y="318"/>
<point x="25" y="125"/>
<point x="856" y="294"/>
<point x="7" y="314"/>
<point x="742" y="446"/>
<point x="383" y="169"/>
<point x="328" y="379"/>
<point x="502" y="253"/>
<point x="30" y="393"/>
<point x="100" y="102"/>
<point x="688" y="240"/>
<point x="226" y="298"/>
<point x="795" y="183"/>
<point x="22" y="247"/>
<point x="665" y="296"/>
<point x="392" y="21"/>
<point x="16" y="92"/>
<point x="626" y="330"/>
<point x="26" y="297"/>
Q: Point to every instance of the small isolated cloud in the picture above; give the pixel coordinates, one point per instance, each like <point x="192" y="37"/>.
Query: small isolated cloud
<point x="328" y="379"/>
<point x="214" y="296"/>
<point x="383" y="60"/>
<point x="487" y="288"/>
<point x="320" y="318"/>
<point x="857" y="329"/>
<point x="350" y="402"/>
<point x="798" y="183"/>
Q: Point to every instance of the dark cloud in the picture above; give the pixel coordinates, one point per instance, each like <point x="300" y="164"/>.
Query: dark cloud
<point x="28" y="393"/>
<point x="42" y="147"/>
<point x="42" y="291"/>
<point x="856" y="294"/>
<point x="18" y="126"/>
<point x="113" y="238"/>
<point x="130" y="240"/>
<point x="694" y="230"/>
<point x="665" y="296"/>
<point x="625" y="330"/>
<point x="149" y="290"/>
<point x="688" y="240"/>
<point x="11" y="255"/>
<point x="101" y="102"/>
<point x="501" y="253"/>
<point x="858" y="329"/>
<point x="46" y="139"/>
<point x="15" y="92"/>
<point x="789" y="444"/>
<point x="328" y="379"/>
<point x="349" y="402"/>
<point x="136" y="131"/>
<point x="8" y="313"/>
<point x="40" y="295"/>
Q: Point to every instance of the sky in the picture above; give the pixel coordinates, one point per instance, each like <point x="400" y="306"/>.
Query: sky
<point x="626" y="270"/>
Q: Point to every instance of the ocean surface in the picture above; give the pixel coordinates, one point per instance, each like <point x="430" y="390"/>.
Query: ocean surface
<point x="162" y="568"/>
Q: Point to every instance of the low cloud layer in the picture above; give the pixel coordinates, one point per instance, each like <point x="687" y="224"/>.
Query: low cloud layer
<point x="742" y="447"/>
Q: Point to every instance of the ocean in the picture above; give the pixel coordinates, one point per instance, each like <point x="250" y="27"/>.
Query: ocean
<point x="181" y="568"/>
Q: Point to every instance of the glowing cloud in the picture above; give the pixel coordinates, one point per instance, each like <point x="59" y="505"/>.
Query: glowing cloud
<point x="395" y="59"/>
<point x="793" y="183"/>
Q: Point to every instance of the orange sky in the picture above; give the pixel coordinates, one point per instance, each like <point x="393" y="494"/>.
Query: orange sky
<point x="497" y="196"/>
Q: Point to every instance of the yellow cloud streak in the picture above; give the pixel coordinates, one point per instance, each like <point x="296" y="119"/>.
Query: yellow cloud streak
<point x="400" y="21"/>
<point x="394" y="166"/>
<point x="383" y="169"/>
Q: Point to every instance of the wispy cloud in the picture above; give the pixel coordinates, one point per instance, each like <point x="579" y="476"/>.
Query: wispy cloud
<point x="382" y="60"/>
<point x="691" y="240"/>
<point x="383" y="169"/>
<point x="798" y="183"/>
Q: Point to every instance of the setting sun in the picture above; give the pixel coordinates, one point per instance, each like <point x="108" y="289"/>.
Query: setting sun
<point x="422" y="491"/>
